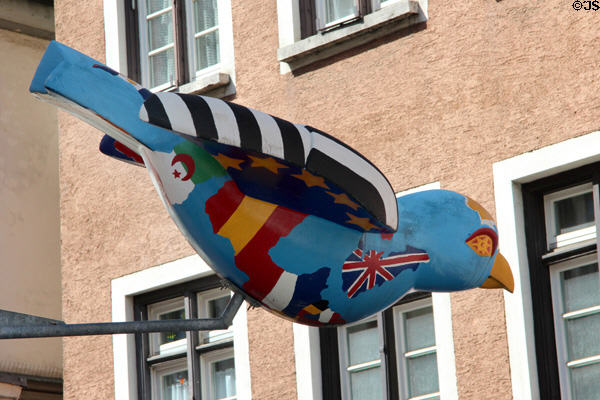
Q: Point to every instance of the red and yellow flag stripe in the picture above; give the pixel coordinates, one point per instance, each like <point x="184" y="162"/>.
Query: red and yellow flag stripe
<point x="254" y="227"/>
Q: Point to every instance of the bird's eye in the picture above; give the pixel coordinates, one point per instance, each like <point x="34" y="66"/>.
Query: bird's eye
<point x="483" y="242"/>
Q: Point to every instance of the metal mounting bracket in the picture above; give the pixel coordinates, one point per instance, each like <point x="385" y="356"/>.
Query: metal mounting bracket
<point x="19" y="326"/>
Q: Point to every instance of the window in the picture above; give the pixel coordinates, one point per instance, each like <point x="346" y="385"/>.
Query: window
<point x="126" y="289"/>
<point x="311" y="30"/>
<point x="576" y="303"/>
<point x="392" y="355"/>
<point x="561" y="214"/>
<point x="173" y="364"/>
<point x="334" y="12"/>
<point x="569" y="216"/>
<point x="529" y="376"/>
<point x="416" y="350"/>
<point x="179" y="45"/>
<point x="319" y="16"/>
<point x="360" y="366"/>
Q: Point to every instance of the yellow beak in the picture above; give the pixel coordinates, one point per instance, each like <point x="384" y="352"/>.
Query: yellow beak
<point x="501" y="276"/>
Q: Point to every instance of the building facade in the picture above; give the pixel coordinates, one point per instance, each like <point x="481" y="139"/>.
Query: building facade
<point x="495" y="99"/>
<point x="29" y="216"/>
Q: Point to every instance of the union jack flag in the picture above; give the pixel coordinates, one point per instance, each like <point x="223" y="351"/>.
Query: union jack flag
<point x="363" y="269"/>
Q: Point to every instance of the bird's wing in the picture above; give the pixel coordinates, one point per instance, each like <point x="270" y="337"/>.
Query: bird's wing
<point x="363" y="197"/>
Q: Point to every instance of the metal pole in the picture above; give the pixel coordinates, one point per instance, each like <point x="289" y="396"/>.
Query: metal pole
<point x="57" y="329"/>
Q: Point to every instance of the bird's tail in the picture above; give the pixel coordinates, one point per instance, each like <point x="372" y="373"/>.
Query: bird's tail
<point x="99" y="96"/>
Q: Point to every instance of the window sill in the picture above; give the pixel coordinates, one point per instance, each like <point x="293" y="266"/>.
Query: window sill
<point x="570" y="251"/>
<point x="221" y="344"/>
<point x="380" y="23"/>
<point x="215" y="84"/>
<point x="159" y="358"/>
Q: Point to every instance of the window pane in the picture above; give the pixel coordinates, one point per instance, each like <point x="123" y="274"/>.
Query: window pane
<point x="217" y="306"/>
<point x="574" y="213"/>
<point x="162" y="68"/>
<point x="206" y="14"/>
<point x="223" y="376"/>
<point x="366" y="384"/>
<point x="168" y="337"/>
<point x="153" y="6"/>
<point x="418" y="328"/>
<point x="174" y="386"/>
<point x="582" y="337"/>
<point x="338" y="9"/>
<point x="207" y="50"/>
<point x="363" y="343"/>
<point x="585" y="382"/>
<point x="580" y="287"/>
<point x="160" y="31"/>
<point x="422" y="375"/>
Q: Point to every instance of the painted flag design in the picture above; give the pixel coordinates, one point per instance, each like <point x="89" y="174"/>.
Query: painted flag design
<point x="302" y="146"/>
<point x="113" y="148"/>
<point x="365" y="269"/>
<point x="275" y="181"/>
<point x="319" y="313"/>
<point x="197" y="164"/>
<point x="253" y="227"/>
<point x="307" y="303"/>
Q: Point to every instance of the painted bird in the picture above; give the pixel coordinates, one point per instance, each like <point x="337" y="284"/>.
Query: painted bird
<point x="287" y="214"/>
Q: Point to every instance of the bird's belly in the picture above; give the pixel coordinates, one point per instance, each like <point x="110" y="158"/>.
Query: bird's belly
<point x="296" y="264"/>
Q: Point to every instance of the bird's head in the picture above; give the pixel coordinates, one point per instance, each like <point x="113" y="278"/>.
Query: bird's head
<point x="485" y="244"/>
<point x="462" y="242"/>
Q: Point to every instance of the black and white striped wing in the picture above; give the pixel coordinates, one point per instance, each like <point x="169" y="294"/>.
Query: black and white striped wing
<point x="227" y="123"/>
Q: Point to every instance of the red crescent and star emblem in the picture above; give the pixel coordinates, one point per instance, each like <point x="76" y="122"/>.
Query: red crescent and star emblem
<point x="188" y="162"/>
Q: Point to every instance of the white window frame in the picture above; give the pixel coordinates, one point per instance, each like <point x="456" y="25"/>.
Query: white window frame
<point x="344" y="354"/>
<point x="386" y="18"/>
<point x="307" y="349"/>
<point x="163" y="369"/>
<point x="559" y="324"/>
<point x="206" y="362"/>
<point x="377" y="4"/>
<point x="216" y="335"/>
<point x="156" y="309"/>
<point x="575" y="236"/>
<point x="145" y="51"/>
<point x="123" y="290"/>
<point x="224" y="69"/>
<point x="321" y="15"/>
<point x="401" y="351"/>
<point x="217" y="82"/>
<point x="509" y="175"/>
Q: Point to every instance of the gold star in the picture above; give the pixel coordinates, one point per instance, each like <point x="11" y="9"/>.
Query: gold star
<point x="311" y="180"/>
<point x="343" y="198"/>
<point x="362" y="222"/>
<point x="228" y="162"/>
<point x="269" y="163"/>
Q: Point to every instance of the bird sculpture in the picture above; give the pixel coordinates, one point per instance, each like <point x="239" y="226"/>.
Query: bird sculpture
<point x="289" y="216"/>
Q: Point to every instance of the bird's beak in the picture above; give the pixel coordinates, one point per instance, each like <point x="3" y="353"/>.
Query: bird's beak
<point x="501" y="276"/>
